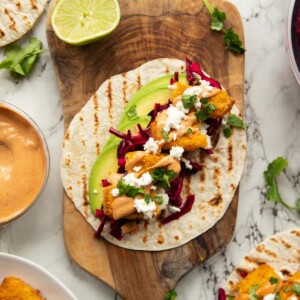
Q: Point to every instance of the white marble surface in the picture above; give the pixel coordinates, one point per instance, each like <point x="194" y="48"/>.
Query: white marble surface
<point x="272" y="111"/>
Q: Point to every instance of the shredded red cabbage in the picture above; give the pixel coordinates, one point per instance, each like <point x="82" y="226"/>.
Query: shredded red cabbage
<point x="298" y="28"/>
<point x="187" y="206"/>
<point x="158" y="108"/>
<point x="175" y="190"/>
<point x="196" y="167"/>
<point x="221" y="294"/>
<point x="175" y="78"/>
<point x="104" y="218"/>
<point x="115" y="228"/>
<point x="105" y="182"/>
<point x="99" y="213"/>
<point x="195" y="68"/>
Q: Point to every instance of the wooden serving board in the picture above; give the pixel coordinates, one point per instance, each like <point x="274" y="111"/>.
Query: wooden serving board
<point x="149" y="29"/>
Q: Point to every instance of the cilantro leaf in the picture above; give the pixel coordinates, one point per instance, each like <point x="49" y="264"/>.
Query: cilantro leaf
<point x="203" y="114"/>
<point x="252" y="292"/>
<point x="158" y="199"/>
<point x="188" y="101"/>
<point x="20" y="61"/>
<point x="164" y="134"/>
<point x="171" y="295"/>
<point x="227" y="132"/>
<point x="233" y="41"/>
<point x="163" y="177"/>
<point x="147" y="198"/>
<point x="296" y="288"/>
<point x="235" y="121"/>
<point x="273" y="280"/>
<point x="274" y="169"/>
<point x="277" y="296"/>
<point x="189" y="131"/>
<point x="132" y="114"/>
<point x="231" y="297"/>
<point x="217" y="19"/>
<point x="128" y="190"/>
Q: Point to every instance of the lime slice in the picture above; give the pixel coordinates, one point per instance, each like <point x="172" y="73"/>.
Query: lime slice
<point x="80" y="22"/>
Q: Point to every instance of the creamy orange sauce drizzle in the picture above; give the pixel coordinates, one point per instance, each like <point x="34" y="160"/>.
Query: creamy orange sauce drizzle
<point x="22" y="164"/>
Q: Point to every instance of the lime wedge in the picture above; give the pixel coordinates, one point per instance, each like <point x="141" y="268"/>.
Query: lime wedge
<point x="80" y="22"/>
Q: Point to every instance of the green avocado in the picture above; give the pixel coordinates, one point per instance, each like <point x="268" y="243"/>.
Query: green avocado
<point x="156" y="91"/>
<point x="106" y="163"/>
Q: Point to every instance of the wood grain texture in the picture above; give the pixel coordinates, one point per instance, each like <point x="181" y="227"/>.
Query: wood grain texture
<point x="149" y="29"/>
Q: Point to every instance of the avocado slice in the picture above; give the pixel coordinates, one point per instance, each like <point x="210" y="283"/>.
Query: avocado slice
<point x="106" y="163"/>
<point x="156" y="91"/>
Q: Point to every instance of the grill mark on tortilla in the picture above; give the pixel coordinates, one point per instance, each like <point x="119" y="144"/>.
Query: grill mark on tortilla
<point x="273" y="240"/>
<point x="67" y="161"/>
<point x="124" y="89"/>
<point x="82" y="126"/>
<point x="286" y="244"/>
<point x="84" y="192"/>
<point x="216" y="178"/>
<point x="12" y="26"/>
<point x="138" y="79"/>
<point x="2" y="34"/>
<point x="286" y="273"/>
<point x="33" y="4"/>
<point x="167" y="70"/>
<point x="18" y="5"/>
<point x="216" y="200"/>
<point x="230" y="156"/>
<point x="295" y="232"/>
<point x="254" y="261"/>
<point x="145" y="238"/>
<point x="96" y="122"/>
<point x="176" y="237"/>
<point x="202" y="172"/>
<point x="67" y="135"/>
<point x="69" y="188"/>
<point x="109" y="96"/>
<point x="160" y="239"/>
<point x="232" y="186"/>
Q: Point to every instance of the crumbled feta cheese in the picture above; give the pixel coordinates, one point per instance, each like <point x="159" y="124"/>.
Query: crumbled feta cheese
<point x="165" y="202"/>
<point x="137" y="168"/>
<point x="208" y="138"/>
<point x="151" y="146"/>
<point x="115" y="192"/>
<point x="198" y="104"/>
<point x="293" y="298"/>
<point x="174" y="208"/>
<point x="206" y="84"/>
<point x="269" y="297"/>
<point x="175" y="116"/>
<point x="144" y="180"/>
<point x="187" y="163"/>
<point x="176" y="152"/>
<point x="194" y="90"/>
<point x="95" y="192"/>
<point x="142" y="207"/>
<point x="153" y="187"/>
<point x="175" y="137"/>
<point x="224" y="119"/>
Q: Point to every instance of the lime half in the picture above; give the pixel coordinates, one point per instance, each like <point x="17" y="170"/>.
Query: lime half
<point x="80" y="22"/>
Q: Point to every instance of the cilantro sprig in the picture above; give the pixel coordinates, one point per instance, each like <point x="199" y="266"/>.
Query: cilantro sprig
<point x="165" y="134"/>
<point x="188" y="101"/>
<point x="163" y="177"/>
<point x="273" y="280"/>
<point x="132" y="114"/>
<point x="206" y="109"/>
<point x="171" y="295"/>
<point x="19" y="60"/>
<point x="231" y="39"/>
<point x="252" y="292"/>
<point x="296" y="288"/>
<point x="275" y="168"/>
<point x="232" y="121"/>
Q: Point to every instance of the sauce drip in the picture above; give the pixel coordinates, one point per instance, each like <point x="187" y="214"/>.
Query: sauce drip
<point x="22" y="164"/>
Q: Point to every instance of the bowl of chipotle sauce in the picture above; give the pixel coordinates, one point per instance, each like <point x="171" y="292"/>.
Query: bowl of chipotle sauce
<point x="24" y="162"/>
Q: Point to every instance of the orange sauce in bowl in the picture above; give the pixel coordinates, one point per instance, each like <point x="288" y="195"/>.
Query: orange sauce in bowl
<point x="23" y="164"/>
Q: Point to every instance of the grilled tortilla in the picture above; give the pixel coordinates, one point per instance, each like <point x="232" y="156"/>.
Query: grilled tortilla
<point x="214" y="186"/>
<point x="17" y="18"/>
<point x="280" y="252"/>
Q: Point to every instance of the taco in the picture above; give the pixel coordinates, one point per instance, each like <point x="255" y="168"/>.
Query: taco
<point x="167" y="172"/>
<point x="17" y="18"/>
<point x="269" y="271"/>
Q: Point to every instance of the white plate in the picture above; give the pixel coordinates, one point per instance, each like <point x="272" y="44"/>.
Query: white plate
<point x="34" y="275"/>
<point x="291" y="41"/>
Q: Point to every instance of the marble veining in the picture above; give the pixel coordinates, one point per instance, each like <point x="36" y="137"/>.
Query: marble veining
<point x="272" y="111"/>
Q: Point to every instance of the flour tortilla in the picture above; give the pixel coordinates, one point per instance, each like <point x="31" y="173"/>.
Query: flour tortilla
<point x="17" y="18"/>
<point x="214" y="186"/>
<point x="280" y="251"/>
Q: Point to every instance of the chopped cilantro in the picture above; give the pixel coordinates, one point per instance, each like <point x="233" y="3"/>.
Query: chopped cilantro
<point x="163" y="177"/>
<point x="204" y="100"/>
<point x="147" y="198"/>
<point x="227" y="132"/>
<point x="19" y="60"/>
<point x="188" y="101"/>
<point x="189" y="131"/>
<point x="252" y="292"/>
<point x="233" y="121"/>
<point x="203" y="114"/>
<point x="171" y="295"/>
<point x="277" y="296"/>
<point x="164" y="134"/>
<point x="231" y="297"/>
<point x="275" y="168"/>
<point x="287" y="289"/>
<point x="158" y="199"/>
<point x="231" y="39"/>
<point x="296" y="288"/>
<point x="273" y="280"/>
<point x="132" y="114"/>
<point x="128" y="190"/>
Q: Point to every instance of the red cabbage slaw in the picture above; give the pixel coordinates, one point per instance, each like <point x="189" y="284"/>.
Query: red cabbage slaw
<point x="132" y="143"/>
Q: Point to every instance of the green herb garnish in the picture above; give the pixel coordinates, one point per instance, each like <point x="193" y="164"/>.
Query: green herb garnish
<point x="231" y="39"/>
<point x="203" y="114"/>
<point x="296" y="288"/>
<point x="158" y="199"/>
<point x="188" y="101"/>
<point x="233" y="121"/>
<point x="252" y="292"/>
<point x="231" y="297"/>
<point x="171" y="295"/>
<point x="273" y="280"/>
<point x="147" y="198"/>
<point x="163" y="177"/>
<point x="164" y="134"/>
<point x="277" y="296"/>
<point x="128" y="190"/>
<point x="275" y="168"/>
<point x="287" y="289"/>
<point x="189" y="131"/>
<point x="132" y="114"/>
<point x="20" y="60"/>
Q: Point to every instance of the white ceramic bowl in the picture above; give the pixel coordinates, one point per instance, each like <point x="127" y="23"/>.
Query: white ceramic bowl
<point x="36" y="276"/>
<point x="291" y="38"/>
